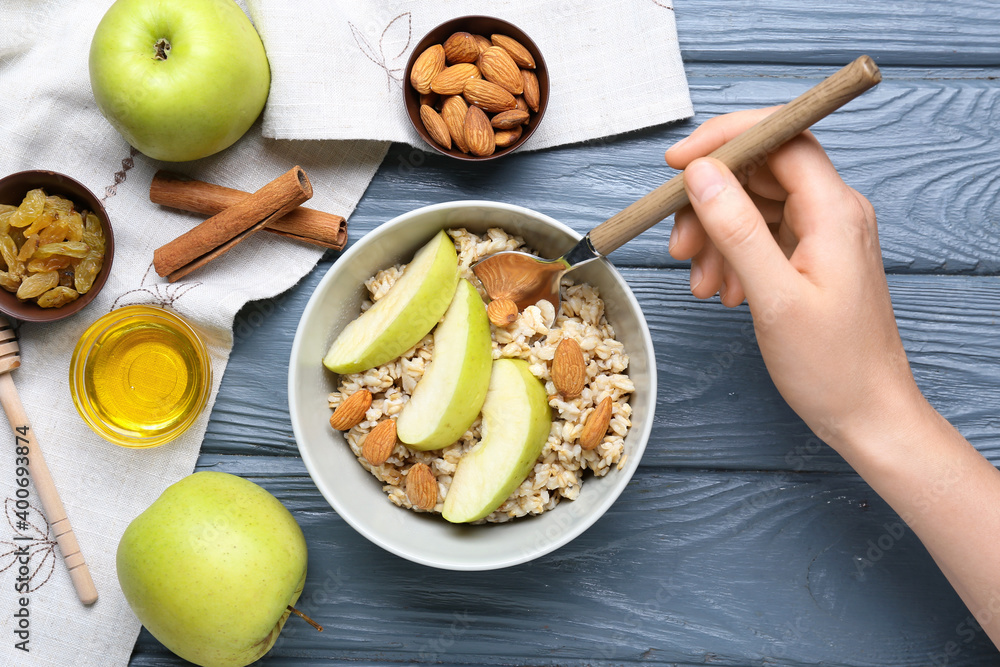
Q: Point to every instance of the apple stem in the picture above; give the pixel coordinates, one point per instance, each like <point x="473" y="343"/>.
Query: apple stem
<point x="305" y="618"/>
<point x="162" y="47"/>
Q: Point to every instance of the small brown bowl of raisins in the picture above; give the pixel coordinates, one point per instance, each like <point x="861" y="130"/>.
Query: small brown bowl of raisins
<point x="56" y="246"/>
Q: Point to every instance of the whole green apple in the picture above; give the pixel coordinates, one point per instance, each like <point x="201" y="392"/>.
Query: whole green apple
<point x="180" y="80"/>
<point x="211" y="567"/>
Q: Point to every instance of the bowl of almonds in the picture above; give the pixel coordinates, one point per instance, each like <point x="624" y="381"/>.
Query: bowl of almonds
<point x="56" y="246"/>
<point x="476" y="87"/>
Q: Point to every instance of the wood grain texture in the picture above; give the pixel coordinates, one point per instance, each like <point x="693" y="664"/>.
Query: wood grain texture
<point x="922" y="146"/>
<point x="906" y="32"/>
<point x="686" y="568"/>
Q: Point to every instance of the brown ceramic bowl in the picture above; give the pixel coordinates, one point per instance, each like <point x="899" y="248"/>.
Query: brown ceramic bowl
<point x="12" y="191"/>
<point x="477" y="25"/>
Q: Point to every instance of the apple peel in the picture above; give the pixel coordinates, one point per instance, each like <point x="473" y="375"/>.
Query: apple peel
<point x="449" y="395"/>
<point x="407" y="312"/>
<point x="516" y="424"/>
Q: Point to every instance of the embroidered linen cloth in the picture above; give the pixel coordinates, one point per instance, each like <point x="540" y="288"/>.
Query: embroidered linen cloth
<point x="338" y="65"/>
<point x="336" y="74"/>
<point x="48" y="120"/>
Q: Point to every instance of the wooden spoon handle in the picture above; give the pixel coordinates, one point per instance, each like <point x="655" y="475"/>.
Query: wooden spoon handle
<point x="55" y="513"/>
<point x="744" y="153"/>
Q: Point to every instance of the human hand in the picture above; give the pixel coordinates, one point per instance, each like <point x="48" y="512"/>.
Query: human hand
<point x="802" y="247"/>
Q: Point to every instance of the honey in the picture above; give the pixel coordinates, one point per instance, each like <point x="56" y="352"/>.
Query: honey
<point x="140" y="375"/>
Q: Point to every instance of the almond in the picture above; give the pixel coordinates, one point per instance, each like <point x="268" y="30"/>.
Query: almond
<point x="421" y="487"/>
<point x="482" y="43"/>
<point x="501" y="312"/>
<point x="461" y="47"/>
<point x="378" y="444"/>
<point x="352" y="411"/>
<point x="427" y="66"/>
<point x="504" y="138"/>
<point x="453" y="112"/>
<point x="451" y="80"/>
<point x="516" y="50"/>
<point x="596" y="425"/>
<point x="488" y="96"/>
<point x="569" y="369"/>
<point x="435" y="126"/>
<point x="497" y="66"/>
<point x="478" y="133"/>
<point x="508" y="120"/>
<point x="532" y="95"/>
<point x="522" y="106"/>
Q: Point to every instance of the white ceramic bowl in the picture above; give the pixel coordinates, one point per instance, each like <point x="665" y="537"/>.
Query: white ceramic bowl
<point x="355" y="494"/>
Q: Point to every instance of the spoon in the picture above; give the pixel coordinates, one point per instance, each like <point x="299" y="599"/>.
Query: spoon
<point x="526" y="279"/>
<point x="55" y="513"/>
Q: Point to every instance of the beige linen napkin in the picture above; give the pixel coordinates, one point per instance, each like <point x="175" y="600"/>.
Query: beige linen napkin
<point x="338" y="65"/>
<point x="48" y="120"/>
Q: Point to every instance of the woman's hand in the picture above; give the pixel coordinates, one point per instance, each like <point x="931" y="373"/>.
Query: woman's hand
<point x="802" y="247"/>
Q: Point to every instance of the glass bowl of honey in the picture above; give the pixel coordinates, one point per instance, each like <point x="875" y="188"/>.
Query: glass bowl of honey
<point x="140" y="376"/>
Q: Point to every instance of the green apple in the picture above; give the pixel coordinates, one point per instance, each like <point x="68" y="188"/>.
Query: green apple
<point x="397" y="321"/>
<point x="180" y="80"/>
<point x="516" y="422"/>
<point x="211" y="567"/>
<point x="449" y="395"/>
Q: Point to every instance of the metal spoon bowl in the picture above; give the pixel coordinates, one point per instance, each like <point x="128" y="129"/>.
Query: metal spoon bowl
<point x="526" y="279"/>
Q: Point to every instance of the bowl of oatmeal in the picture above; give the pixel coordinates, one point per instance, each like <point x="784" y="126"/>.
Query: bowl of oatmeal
<point x="569" y="488"/>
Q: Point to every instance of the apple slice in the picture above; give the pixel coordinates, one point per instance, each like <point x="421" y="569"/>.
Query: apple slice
<point x="397" y="321"/>
<point x="448" y="397"/>
<point x="516" y="422"/>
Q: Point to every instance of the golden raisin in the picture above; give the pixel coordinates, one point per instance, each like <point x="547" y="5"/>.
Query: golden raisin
<point x="8" y="251"/>
<point x="75" y="232"/>
<point x="30" y="208"/>
<point x="40" y="223"/>
<point x="69" y="248"/>
<point x="10" y="281"/>
<point x="58" y="205"/>
<point x="93" y="233"/>
<point x="28" y="249"/>
<point x="57" y="296"/>
<point x="54" y="263"/>
<point x="86" y="272"/>
<point x="55" y="233"/>
<point x="37" y="284"/>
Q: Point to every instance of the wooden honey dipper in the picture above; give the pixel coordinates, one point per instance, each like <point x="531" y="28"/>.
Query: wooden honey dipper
<point x="55" y="513"/>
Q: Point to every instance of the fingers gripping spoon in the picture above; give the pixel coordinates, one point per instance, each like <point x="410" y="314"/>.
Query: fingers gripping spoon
<point x="10" y="358"/>
<point x="526" y="279"/>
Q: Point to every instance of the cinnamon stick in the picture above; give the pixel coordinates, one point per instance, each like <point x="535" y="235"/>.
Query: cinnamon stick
<point x="223" y="231"/>
<point x="303" y="224"/>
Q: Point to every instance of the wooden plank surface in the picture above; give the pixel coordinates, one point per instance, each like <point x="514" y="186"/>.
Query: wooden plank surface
<point x="741" y="540"/>
<point x="901" y="32"/>
<point x="686" y="568"/>
<point x="922" y="146"/>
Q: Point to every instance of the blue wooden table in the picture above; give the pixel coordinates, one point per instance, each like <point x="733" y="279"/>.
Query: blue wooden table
<point x="742" y="539"/>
